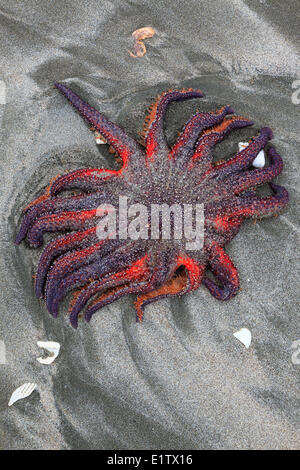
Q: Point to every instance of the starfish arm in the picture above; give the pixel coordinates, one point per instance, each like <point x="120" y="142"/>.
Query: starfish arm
<point x="43" y="197"/>
<point x="115" y="135"/>
<point x="203" y="153"/>
<point x="183" y="148"/>
<point x="153" y="133"/>
<point x="86" y="179"/>
<point x="194" y="271"/>
<point x="187" y="281"/>
<point x="58" y="247"/>
<point x="250" y="205"/>
<point x="83" y="296"/>
<point x="56" y="205"/>
<point x="175" y="286"/>
<point x="254" y="178"/>
<point x="244" y="158"/>
<point x="137" y="272"/>
<point x="270" y="205"/>
<point x="63" y="269"/>
<point x="112" y="295"/>
<point x="79" y="267"/>
<point x="75" y="220"/>
<point x="225" y="272"/>
<point x="227" y="227"/>
<point x="247" y="205"/>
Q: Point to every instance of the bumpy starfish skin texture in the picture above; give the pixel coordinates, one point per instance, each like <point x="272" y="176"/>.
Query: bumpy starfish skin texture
<point x="97" y="272"/>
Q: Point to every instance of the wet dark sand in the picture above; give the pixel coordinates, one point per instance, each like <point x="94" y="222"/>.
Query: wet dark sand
<point x="180" y="380"/>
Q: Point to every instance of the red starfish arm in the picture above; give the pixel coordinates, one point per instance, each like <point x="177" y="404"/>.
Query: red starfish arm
<point x="115" y="135"/>
<point x="43" y="197"/>
<point x="270" y="205"/>
<point x="112" y="295"/>
<point x="153" y="133"/>
<point x="87" y="179"/>
<point x="137" y="272"/>
<point x="56" y="205"/>
<point x="250" y="205"/>
<point x="255" y="177"/>
<point x="79" y="267"/>
<point x="59" y="246"/>
<point x="187" y="281"/>
<point x="226" y="273"/>
<point x="244" y="158"/>
<point x="183" y="148"/>
<point x="209" y="138"/>
<point x="74" y="220"/>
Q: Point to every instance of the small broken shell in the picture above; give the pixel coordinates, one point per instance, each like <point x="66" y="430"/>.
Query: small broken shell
<point x="259" y="161"/>
<point x="143" y="33"/>
<point x="100" y="139"/>
<point x="139" y="49"/>
<point x="52" y="347"/>
<point x="139" y="35"/>
<point x="244" y="336"/>
<point x="22" y="392"/>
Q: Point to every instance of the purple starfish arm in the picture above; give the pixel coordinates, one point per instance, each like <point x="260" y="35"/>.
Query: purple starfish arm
<point x="203" y="154"/>
<point x="153" y="133"/>
<point x="184" y="146"/>
<point x="115" y="135"/>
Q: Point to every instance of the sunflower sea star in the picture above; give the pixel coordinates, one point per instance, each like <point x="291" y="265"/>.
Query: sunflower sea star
<point x="103" y="270"/>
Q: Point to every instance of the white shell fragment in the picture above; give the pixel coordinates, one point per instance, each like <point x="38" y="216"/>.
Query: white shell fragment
<point x="242" y="145"/>
<point x="100" y="139"/>
<point x="259" y="161"/>
<point x="22" y="392"/>
<point x="52" y="347"/>
<point x="244" y="336"/>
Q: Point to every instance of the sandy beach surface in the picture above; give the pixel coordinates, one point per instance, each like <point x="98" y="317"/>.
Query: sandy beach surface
<point x="181" y="380"/>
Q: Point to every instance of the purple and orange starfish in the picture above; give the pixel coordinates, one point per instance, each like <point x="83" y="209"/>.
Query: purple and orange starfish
<point x="102" y="271"/>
